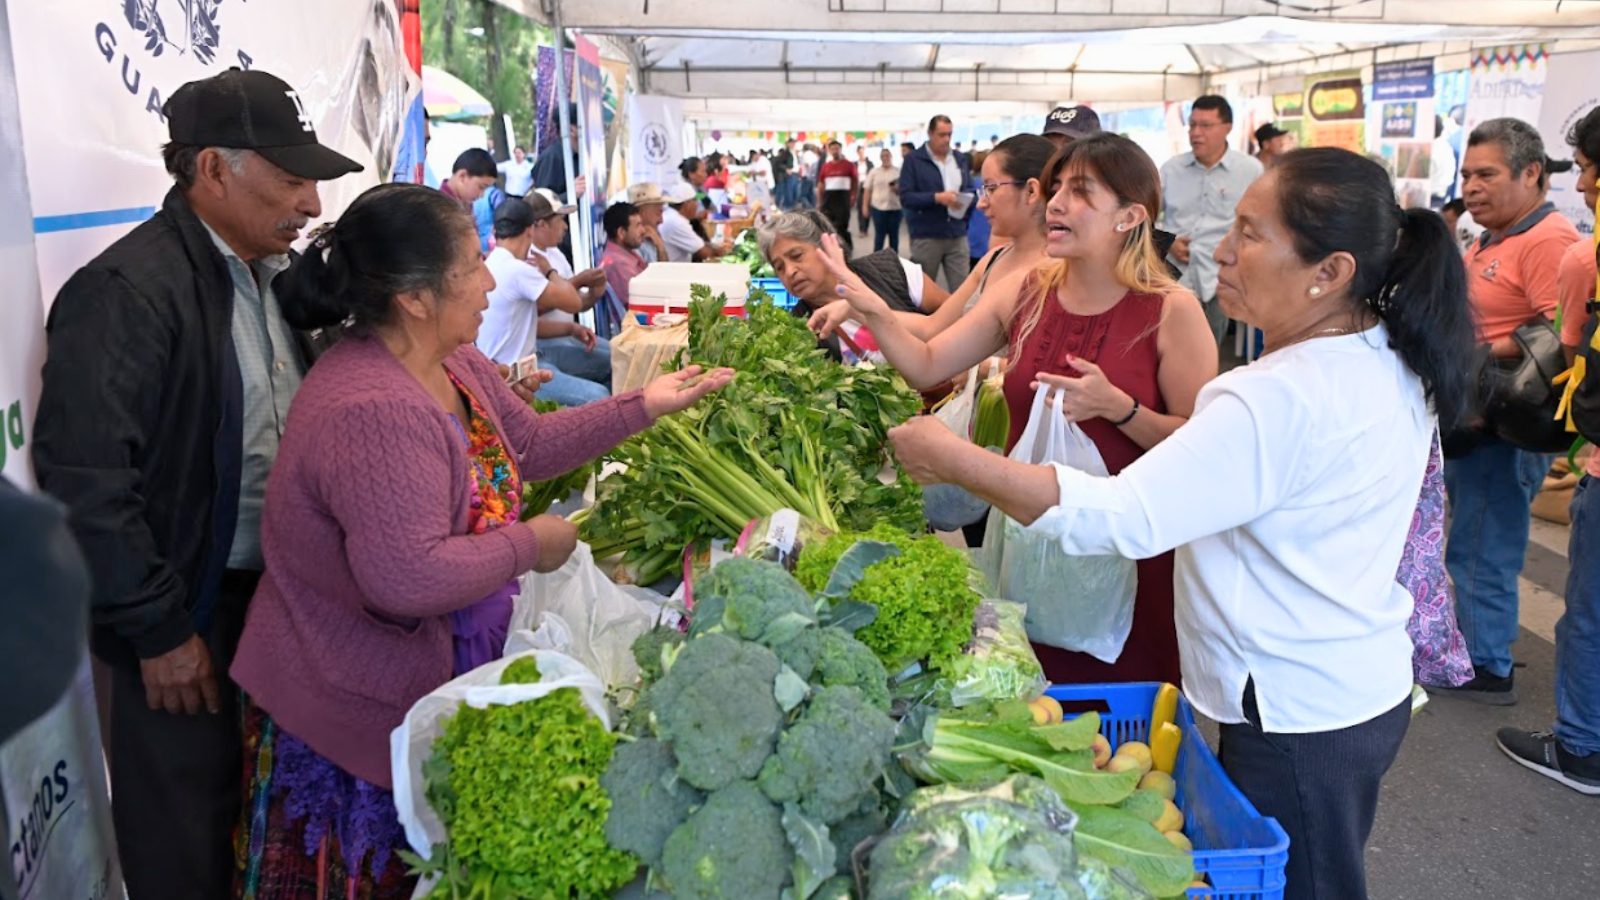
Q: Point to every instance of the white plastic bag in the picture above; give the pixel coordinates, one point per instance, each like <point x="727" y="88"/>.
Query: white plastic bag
<point x="1082" y="603"/>
<point x="412" y="742"/>
<point x="578" y="611"/>
<point x="950" y="506"/>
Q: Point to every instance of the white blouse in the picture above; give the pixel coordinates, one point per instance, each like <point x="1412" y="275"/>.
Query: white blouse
<point x="1288" y="496"/>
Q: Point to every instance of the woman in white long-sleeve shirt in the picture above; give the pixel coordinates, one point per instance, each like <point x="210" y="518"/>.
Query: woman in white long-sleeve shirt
<point x="1288" y="496"/>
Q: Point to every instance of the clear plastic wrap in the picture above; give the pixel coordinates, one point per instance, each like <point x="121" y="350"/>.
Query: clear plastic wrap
<point x="1013" y="839"/>
<point x="1000" y="663"/>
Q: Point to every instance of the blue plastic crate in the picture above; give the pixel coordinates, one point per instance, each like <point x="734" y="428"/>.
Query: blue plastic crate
<point x="775" y="289"/>
<point x="1241" y="852"/>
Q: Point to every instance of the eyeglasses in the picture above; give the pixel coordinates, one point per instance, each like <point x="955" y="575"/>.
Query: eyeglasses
<point x="989" y="187"/>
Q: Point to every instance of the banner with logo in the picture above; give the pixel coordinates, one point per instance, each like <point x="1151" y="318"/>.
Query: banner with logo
<point x="57" y="825"/>
<point x="1335" y="111"/>
<point x="82" y="85"/>
<point x="1570" y="92"/>
<point x="1507" y="81"/>
<point x="655" y="138"/>
<point x="96" y="173"/>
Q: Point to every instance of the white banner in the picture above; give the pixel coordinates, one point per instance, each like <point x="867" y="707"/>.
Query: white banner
<point x="655" y="139"/>
<point x="82" y="83"/>
<point x="57" y="819"/>
<point x="1506" y="81"/>
<point x="1569" y="93"/>
<point x="92" y="76"/>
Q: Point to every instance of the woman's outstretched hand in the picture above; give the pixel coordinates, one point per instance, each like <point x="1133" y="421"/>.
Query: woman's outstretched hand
<point x="682" y="389"/>
<point x="851" y="288"/>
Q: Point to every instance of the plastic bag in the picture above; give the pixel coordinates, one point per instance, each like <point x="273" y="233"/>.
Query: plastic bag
<point x="999" y="664"/>
<point x="950" y="506"/>
<point x="576" y="610"/>
<point x="780" y="538"/>
<point x="412" y="742"/>
<point x="640" y="352"/>
<point x="1012" y="839"/>
<point x="1081" y="603"/>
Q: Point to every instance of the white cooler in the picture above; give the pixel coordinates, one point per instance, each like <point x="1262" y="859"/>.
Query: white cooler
<point x="663" y="287"/>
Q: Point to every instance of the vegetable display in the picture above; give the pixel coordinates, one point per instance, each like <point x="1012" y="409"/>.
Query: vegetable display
<point x="1120" y="823"/>
<point x="518" y="788"/>
<point x="793" y="430"/>
<point x="764" y="742"/>
<point x="746" y="252"/>
<point x="1013" y="838"/>
<point x="920" y="586"/>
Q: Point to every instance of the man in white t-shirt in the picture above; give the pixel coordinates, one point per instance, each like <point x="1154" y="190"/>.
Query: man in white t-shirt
<point x="533" y="300"/>
<point x="518" y="171"/>
<point x="564" y="345"/>
<point x="684" y="244"/>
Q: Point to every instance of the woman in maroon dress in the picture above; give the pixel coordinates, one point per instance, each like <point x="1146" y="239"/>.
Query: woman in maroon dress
<point x="1103" y="321"/>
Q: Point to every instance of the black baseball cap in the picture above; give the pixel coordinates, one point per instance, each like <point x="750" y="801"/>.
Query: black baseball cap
<point x="1073" y="121"/>
<point x="253" y="110"/>
<point x="1269" y="131"/>
<point x="515" y="215"/>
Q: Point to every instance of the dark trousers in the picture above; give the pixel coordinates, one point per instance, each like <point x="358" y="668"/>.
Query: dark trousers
<point x="176" y="780"/>
<point x="836" y="206"/>
<point x="1322" y="788"/>
<point x="886" y="228"/>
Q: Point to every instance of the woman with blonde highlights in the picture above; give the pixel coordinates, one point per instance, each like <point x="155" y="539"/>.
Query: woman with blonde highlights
<point x="1104" y="322"/>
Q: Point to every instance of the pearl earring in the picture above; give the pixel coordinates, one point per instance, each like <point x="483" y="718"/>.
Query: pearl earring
<point x="1122" y="228"/>
<point x="1316" y="292"/>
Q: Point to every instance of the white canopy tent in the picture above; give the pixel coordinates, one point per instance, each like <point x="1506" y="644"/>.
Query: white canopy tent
<point x="1034" y="52"/>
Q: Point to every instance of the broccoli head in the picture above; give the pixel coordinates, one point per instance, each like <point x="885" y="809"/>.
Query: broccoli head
<point x="830" y="758"/>
<point x="836" y="888"/>
<point x="648" y="799"/>
<point x="843" y="660"/>
<point x="731" y="848"/>
<point x="801" y="651"/>
<point x="746" y="597"/>
<point x="647" y="649"/>
<point x="716" y="707"/>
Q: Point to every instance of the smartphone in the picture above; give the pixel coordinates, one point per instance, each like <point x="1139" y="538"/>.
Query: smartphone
<point x="522" y="368"/>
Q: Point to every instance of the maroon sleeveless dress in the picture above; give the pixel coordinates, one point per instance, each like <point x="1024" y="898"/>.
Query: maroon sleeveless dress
<point x="1122" y="342"/>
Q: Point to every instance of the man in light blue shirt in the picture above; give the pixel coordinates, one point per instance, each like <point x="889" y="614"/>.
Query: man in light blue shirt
<point x="1199" y="192"/>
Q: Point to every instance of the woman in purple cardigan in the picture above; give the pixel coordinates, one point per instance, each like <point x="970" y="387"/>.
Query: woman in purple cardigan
<point x="391" y="533"/>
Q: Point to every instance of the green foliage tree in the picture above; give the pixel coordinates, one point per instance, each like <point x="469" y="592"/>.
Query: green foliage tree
<point x="490" y="48"/>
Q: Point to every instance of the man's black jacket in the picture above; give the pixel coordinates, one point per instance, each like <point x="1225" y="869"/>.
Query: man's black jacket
<point x="140" y="429"/>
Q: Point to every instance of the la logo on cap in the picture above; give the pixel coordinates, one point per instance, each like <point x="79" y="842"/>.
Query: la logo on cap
<point x="300" y="110"/>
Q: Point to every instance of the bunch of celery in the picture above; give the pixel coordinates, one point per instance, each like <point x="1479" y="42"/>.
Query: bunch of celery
<point x="794" y="430"/>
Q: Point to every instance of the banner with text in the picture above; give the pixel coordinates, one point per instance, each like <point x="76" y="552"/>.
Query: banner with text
<point x="1570" y="91"/>
<point x="1410" y="79"/>
<point x="1506" y="81"/>
<point x="655" y="138"/>
<point x="81" y="90"/>
<point x="1335" y="111"/>
<point x="117" y="62"/>
<point x="57" y="825"/>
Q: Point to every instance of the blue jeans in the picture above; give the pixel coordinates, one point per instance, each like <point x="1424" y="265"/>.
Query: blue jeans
<point x="1490" y="491"/>
<point x="1578" y="631"/>
<point x="886" y="228"/>
<point x="580" y="376"/>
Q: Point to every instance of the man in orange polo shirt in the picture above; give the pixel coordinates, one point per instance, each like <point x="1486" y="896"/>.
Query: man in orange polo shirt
<point x="1569" y="750"/>
<point x="1511" y="277"/>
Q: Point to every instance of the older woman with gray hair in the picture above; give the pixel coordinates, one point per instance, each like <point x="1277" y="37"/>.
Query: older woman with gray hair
<point x="792" y="243"/>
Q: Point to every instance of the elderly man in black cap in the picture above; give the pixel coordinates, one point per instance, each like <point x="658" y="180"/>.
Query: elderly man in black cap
<point x="168" y="380"/>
